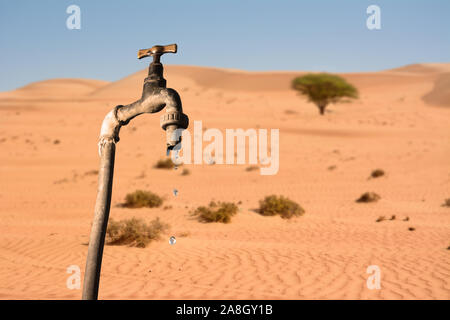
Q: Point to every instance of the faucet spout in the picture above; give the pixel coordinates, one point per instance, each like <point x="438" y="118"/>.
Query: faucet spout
<point x="160" y="98"/>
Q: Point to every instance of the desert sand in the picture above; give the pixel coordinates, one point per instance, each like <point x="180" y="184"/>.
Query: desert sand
<point x="401" y="124"/>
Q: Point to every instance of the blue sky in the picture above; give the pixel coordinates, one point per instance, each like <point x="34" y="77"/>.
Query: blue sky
<point x="321" y="35"/>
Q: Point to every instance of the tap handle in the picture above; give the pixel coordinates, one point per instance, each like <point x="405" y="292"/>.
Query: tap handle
<point x="157" y="51"/>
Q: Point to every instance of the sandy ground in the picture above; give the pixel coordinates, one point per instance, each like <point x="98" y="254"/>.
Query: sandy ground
<point x="48" y="143"/>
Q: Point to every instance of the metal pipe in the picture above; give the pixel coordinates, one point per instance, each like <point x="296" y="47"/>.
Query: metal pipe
<point x="99" y="225"/>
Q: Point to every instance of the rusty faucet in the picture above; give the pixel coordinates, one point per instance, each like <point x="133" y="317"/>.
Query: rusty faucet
<point x="155" y="96"/>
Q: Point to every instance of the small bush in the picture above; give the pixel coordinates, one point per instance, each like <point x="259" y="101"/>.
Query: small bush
<point x="251" y="168"/>
<point x="446" y="203"/>
<point x="185" y="172"/>
<point x="165" y="164"/>
<point x="140" y="198"/>
<point x="377" y="173"/>
<point x="134" y="232"/>
<point x="369" y="197"/>
<point x="380" y="218"/>
<point x="286" y="208"/>
<point x="184" y="234"/>
<point x="91" y="173"/>
<point x="216" y="212"/>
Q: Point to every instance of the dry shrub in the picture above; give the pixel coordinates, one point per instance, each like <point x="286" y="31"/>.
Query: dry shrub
<point x="274" y="205"/>
<point x="184" y="234"/>
<point x="134" y="232"/>
<point x="377" y="173"/>
<point x="165" y="164"/>
<point x="446" y="203"/>
<point x="141" y="198"/>
<point x="216" y="212"/>
<point x="369" y="197"/>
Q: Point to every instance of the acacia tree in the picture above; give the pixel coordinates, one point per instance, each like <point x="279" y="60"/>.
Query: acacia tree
<point x="323" y="89"/>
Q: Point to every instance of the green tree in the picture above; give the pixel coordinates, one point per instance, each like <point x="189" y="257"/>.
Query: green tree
<point x="323" y="89"/>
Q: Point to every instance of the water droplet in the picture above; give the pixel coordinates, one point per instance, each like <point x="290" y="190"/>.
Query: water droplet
<point x="172" y="240"/>
<point x="175" y="192"/>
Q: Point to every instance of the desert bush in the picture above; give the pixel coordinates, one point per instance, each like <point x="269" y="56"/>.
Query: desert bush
<point x="134" y="232"/>
<point x="368" y="197"/>
<point x="141" y="198"/>
<point x="185" y="172"/>
<point x="274" y="205"/>
<point x="216" y="212"/>
<point x="252" y="168"/>
<point x="446" y="203"/>
<point x="323" y="89"/>
<point x="380" y="218"/>
<point x="91" y="173"/>
<point x="377" y="173"/>
<point x="184" y="234"/>
<point x="165" y="164"/>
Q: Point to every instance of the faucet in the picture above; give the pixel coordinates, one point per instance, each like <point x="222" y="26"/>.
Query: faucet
<point x="155" y="96"/>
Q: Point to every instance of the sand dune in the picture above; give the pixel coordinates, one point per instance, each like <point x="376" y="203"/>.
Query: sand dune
<point x="228" y="80"/>
<point x="54" y="89"/>
<point x="424" y="68"/>
<point x="440" y="94"/>
<point x="48" y="138"/>
<point x="241" y="81"/>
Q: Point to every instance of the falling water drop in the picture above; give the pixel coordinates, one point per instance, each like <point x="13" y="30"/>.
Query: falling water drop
<point x="172" y="240"/>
